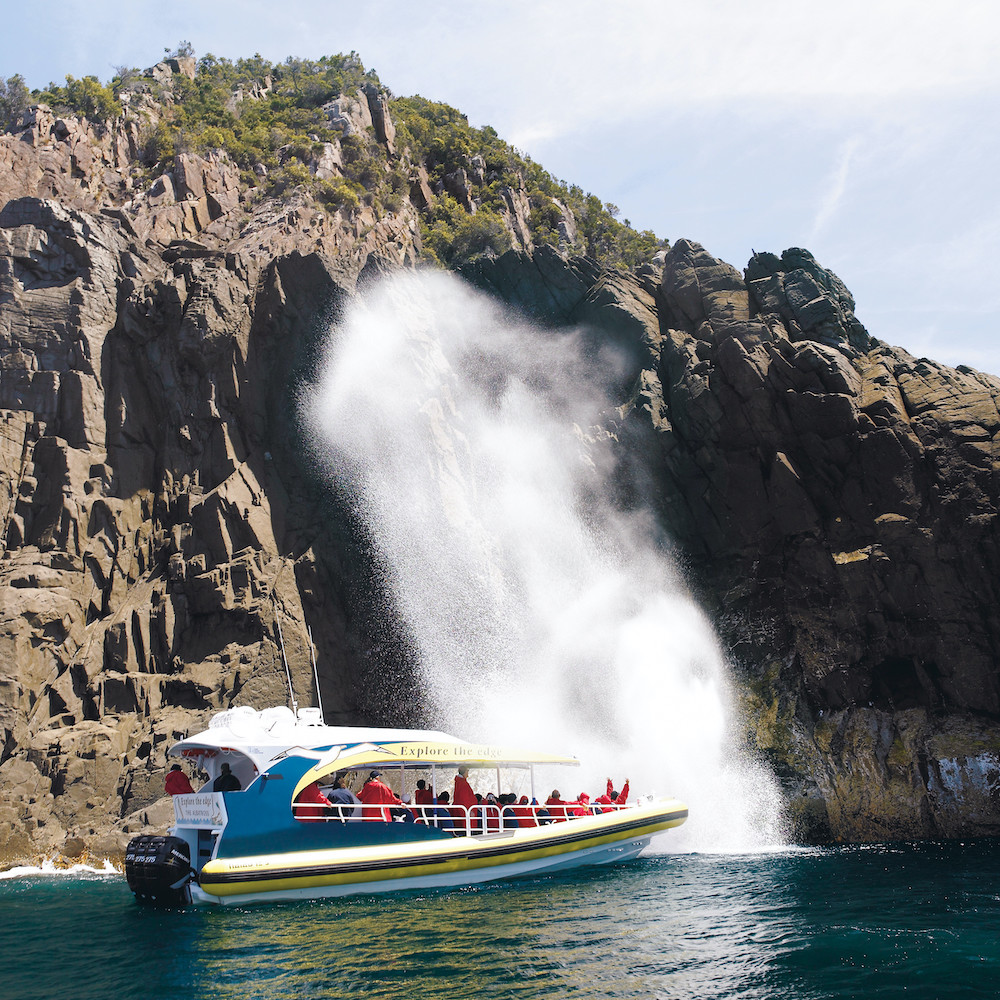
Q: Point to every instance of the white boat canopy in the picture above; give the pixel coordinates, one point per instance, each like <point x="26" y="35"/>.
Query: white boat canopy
<point x="274" y="734"/>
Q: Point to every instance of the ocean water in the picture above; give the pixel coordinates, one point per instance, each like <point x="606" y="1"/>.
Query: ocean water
<point x="913" y="921"/>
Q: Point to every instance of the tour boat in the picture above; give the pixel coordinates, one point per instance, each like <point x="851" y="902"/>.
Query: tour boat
<point x="262" y="842"/>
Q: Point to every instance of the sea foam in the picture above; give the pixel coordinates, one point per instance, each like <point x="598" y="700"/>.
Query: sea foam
<point x="57" y="867"/>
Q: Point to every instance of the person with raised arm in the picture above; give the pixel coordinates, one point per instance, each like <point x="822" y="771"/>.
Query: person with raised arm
<point x="611" y="797"/>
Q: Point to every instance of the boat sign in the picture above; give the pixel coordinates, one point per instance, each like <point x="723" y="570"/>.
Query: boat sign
<point x="203" y="810"/>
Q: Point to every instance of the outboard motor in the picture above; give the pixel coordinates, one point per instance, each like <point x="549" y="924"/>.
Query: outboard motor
<point x="158" y="870"/>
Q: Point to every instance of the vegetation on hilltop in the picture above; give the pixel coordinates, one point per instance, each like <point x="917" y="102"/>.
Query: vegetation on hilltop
<point x="274" y="121"/>
<point x="443" y="140"/>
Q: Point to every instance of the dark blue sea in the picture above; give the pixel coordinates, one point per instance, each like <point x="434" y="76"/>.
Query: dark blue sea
<point x="911" y="921"/>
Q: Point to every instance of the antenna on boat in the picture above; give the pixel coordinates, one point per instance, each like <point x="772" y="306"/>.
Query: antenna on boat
<point x="312" y="653"/>
<point x="284" y="659"/>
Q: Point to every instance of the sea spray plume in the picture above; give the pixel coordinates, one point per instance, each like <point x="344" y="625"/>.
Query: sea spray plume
<point x="472" y="448"/>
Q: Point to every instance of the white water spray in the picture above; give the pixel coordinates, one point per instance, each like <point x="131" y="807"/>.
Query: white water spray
<point x="57" y="867"/>
<point x="541" y="613"/>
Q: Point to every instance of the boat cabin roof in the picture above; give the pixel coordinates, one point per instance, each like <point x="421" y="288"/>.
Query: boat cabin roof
<point x="273" y="734"/>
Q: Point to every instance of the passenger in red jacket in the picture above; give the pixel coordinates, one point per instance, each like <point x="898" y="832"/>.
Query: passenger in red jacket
<point x="377" y="793"/>
<point x="464" y="798"/>
<point x="422" y="796"/>
<point x="524" y="813"/>
<point x="611" y="797"/>
<point x="177" y="782"/>
<point x="311" y="804"/>
<point x="556" y="805"/>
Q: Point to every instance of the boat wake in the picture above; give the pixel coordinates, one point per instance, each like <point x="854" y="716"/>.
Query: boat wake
<point x="475" y="449"/>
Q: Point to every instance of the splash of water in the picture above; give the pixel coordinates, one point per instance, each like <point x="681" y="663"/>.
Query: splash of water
<point x="541" y="613"/>
<point x="58" y="867"/>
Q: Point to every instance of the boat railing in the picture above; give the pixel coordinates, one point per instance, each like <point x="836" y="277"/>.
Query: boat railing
<point x="459" y="820"/>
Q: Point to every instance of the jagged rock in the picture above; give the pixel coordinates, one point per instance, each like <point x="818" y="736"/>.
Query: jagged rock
<point x="349" y="115"/>
<point x="183" y="65"/>
<point x="518" y="211"/>
<point x="378" y="107"/>
<point x="148" y="350"/>
<point x="255" y="91"/>
<point x="835" y="499"/>
<point x="813" y="303"/>
<point x="837" y="503"/>
<point x="420" y="190"/>
<point x="457" y="185"/>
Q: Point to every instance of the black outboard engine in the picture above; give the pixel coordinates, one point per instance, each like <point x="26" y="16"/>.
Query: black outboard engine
<point x="158" y="870"/>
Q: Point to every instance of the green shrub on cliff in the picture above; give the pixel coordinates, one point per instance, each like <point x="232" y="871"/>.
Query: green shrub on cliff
<point x="87" y="97"/>
<point x="14" y="99"/>
<point x="453" y="236"/>
<point x="442" y="138"/>
<point x="337" y="193"/>
<point x="609" y="240"/>
<point x="270" y="115"/>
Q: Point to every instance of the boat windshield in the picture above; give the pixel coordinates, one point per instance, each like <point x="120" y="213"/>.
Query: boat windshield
<point x="430" y="758"/>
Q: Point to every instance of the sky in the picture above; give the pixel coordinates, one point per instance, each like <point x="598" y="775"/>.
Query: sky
<point x="863" y="130"/>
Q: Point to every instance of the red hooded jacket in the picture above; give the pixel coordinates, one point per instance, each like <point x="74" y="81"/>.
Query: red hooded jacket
<point x="464" y="797"/>
<point x="177" y="783"/>
<point x="311" y="803"/>
<point x="606" y="799"/>
<point x="376" y="792"/>
<point x="525" y="813"/>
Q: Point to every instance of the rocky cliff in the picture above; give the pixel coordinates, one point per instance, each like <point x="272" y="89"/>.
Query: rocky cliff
<point x="834" y="499"/>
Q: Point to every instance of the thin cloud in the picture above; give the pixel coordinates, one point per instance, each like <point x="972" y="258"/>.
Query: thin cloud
<point x="836" y="187"/>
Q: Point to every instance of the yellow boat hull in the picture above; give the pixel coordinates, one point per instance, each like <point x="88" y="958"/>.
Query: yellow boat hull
<point x="587" y="840"/>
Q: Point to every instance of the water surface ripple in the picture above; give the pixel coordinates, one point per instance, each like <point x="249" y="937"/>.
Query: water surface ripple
<point x="881" y="921"/>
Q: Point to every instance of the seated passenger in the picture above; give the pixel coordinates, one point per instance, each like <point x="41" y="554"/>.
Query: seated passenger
<point x="226" y="781"/>
<point x="177" y="782"/>
<point x="489" y="814"/>
<point x="525" y="813"/>
<point x="542" y="814"/>
<point x="344" y="803"/>
<point x="377" y="793"/>
<point x="440" y="815"/>
<point x="508" y="815"/>
<point x="311" y="804"/>
<point x="423" y="796"/>
<point x="556" y="806"/>
<point x="406" y="814"/>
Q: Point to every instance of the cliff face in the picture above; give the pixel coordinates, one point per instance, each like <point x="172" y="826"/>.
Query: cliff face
<point x="833" y="498"/>
<point x="160" y="522"/>
<point x="836" y="503"/>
